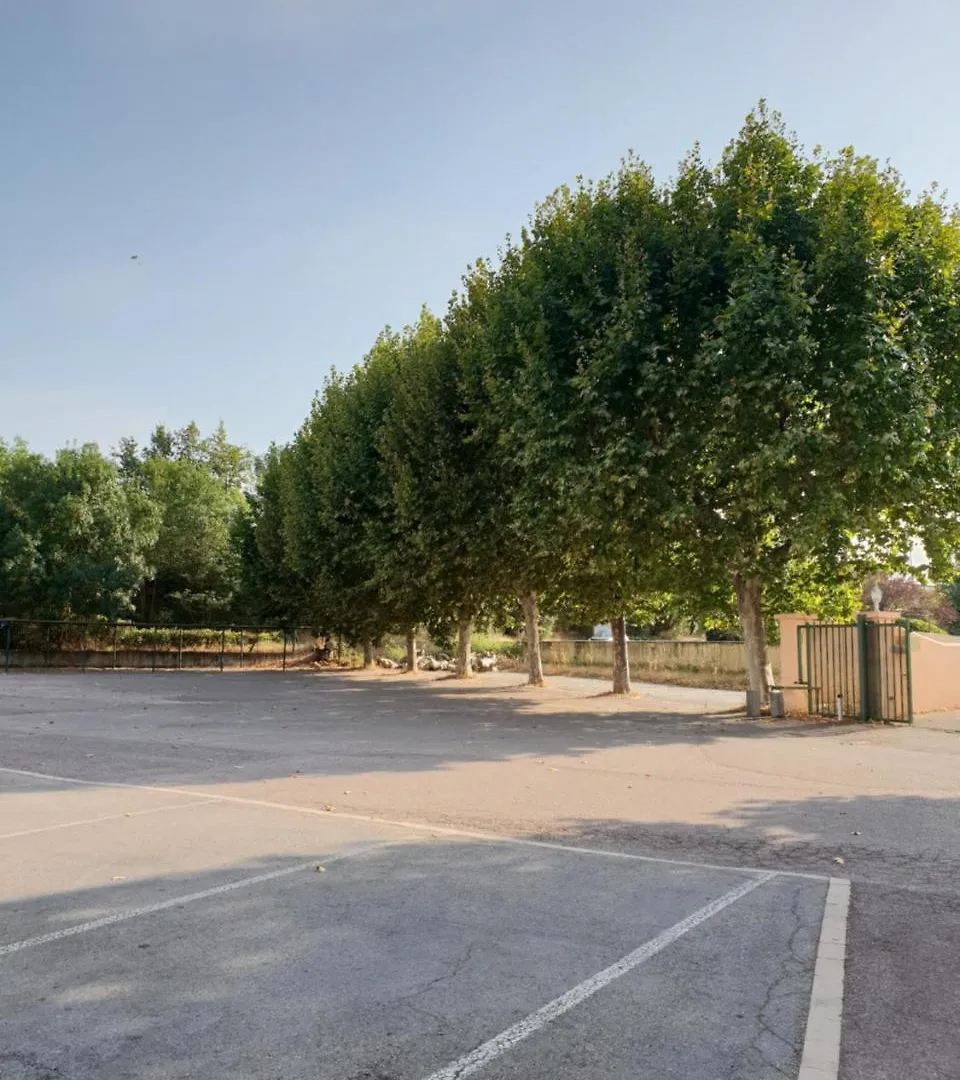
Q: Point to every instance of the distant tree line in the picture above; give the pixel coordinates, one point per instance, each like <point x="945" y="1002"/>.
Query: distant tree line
<point x="156" y="533"/>
<point x="713" y="398"/>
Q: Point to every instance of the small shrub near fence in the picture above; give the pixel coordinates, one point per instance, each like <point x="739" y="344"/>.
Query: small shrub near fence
<point x="104" y="645"/>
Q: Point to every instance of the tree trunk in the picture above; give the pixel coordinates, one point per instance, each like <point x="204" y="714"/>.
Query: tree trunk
<point x="464" y="669"/>
<point x="749" y="592"/>
<point x="531" y="618"/>
<point x="367" y="654"/>
<point x="621" y="657"/>
<point x="412" y="649"/>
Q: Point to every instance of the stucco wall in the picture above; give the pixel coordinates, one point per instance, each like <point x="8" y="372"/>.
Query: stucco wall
<point x="935" y="667"/>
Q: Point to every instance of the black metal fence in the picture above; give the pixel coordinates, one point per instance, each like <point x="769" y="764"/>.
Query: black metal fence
<point x="829" y="664"/>
<point x="857" y="670"/>
<point x="94" y="644"/>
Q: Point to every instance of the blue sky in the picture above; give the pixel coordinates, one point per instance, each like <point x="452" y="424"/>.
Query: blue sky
<point x="294" y="174"/>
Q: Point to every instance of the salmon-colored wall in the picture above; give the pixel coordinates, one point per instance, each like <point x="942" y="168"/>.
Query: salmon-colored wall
<point x="935" y="670"/>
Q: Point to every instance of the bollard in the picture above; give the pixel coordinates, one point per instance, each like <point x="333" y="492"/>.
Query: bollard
<point x="777" y="708"/>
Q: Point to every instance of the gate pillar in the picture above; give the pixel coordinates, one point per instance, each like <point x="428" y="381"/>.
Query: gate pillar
<point x="794" y="692"/>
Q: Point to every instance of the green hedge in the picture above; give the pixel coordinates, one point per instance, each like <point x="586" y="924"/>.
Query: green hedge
<point x="102" y="636"/>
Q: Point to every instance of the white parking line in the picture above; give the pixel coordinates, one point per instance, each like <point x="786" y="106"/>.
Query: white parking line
<point x="422" y="826"/>
<point x="106" y="817"/>
<point x="178" y="901"/>
<point x="821" y="1044"/>
<point x="506" y="1040"/>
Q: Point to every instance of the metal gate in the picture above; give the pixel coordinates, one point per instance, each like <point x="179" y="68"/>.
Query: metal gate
<point x="859" y="669"/>
<point x="886" y="677"/>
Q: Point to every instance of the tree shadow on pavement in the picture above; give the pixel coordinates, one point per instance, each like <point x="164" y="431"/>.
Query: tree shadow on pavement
<point x="185" y="728"/>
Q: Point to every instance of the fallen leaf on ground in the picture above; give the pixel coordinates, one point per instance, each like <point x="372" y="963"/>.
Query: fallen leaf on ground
<point x="347" y="792"/>
<point x="329" y="808"/>
<point x="839" y="860"/>
<point x="320" y="869"/>
<point x="118" y="877"/>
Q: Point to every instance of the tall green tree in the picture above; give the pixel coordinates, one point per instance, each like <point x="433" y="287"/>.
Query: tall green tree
<point x="72" y="541"/>
<point x="447" y="501"/>
<point x="497" y="305"/>
<point x="820" y="391"/>
<point x="584" y="411"/>
<point x="198" y="486"/>
<point x="341" y="526"/>
<point x="273" y="589"/>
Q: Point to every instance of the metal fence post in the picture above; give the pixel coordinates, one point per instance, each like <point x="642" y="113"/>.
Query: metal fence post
<point x="114" y="646"/>
<point x="223" y="638"/>
<point x="180" y="650"/>
<point x="8" y="626"/>
<point x="907" y="631"/>
<point x="862" y="646"/>
<point x="241" y="648"/>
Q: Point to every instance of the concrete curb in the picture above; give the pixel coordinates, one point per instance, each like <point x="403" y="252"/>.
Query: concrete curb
<point x="821" y="1044"/>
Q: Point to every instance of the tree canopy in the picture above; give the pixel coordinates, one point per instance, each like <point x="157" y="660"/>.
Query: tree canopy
<point x="154" y="533"/>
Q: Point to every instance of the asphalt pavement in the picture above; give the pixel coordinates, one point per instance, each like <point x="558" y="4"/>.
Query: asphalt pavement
<point x="370" y="878"/>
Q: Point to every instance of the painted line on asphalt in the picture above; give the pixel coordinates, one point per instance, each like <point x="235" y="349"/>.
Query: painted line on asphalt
<point x="821" y="1044"/>
<point x="426" y="827"/>
<point x="178" y="901"/>
<point x="106" y="817"/>
<point x="523" y="1029"/>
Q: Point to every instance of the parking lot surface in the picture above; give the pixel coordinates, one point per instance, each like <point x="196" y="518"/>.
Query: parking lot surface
<point x="345" y="878"/>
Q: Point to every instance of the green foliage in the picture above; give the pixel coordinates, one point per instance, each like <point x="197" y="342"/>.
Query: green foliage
<point x="446" y="538"/>
<point x="820" y="378"/>
<point x="950" y="591"/>
<point x="511" y="647"/>
<point x="196" y="486"/>
<point x="338" y="519"/>
<point x="674" y="402"/>
<point x="272" y="589"/>
<point x="104" y="636"/>
<point x="72" y="540"/>
<point x="922" y="626"/>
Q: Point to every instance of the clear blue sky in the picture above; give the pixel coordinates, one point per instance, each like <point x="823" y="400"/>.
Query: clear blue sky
<point x="294" y="174"/>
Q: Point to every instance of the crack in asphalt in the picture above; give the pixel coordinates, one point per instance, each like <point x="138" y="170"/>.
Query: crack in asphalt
<point x="456" y="967"/>
<point x="792" y="966"/>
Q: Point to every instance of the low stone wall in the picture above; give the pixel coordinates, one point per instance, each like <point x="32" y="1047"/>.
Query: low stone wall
<point x="725" y="658"/>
